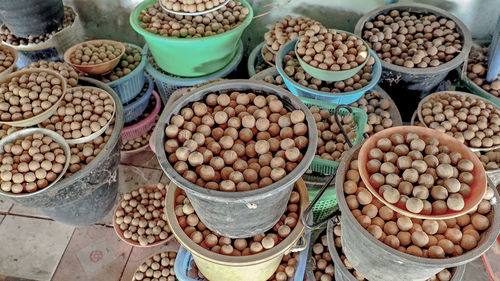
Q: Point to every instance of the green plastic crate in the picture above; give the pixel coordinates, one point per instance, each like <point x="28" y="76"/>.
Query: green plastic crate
<point x="325" y="204"/>
<point x="328" y="167"/>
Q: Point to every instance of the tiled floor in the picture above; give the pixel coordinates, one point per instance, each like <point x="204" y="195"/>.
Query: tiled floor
<point x="33" y="247"/>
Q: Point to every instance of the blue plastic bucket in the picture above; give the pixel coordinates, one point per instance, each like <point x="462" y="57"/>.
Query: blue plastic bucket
<point x="136" y="107"/>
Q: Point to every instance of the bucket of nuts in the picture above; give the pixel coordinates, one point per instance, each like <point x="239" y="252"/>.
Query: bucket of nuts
<point x="418" y="44"/>
<point x="248" y="259"/>
<point x="182" y="49"/>
<point x="407" y="248"/>
<point x="95" y="57"/>
<point x="253" y="139"/>
<point x="32" y="160"/>
<point x="303" y="84"/>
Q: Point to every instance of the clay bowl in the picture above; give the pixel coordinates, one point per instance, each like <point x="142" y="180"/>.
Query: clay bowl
<point x="95" y="69"/>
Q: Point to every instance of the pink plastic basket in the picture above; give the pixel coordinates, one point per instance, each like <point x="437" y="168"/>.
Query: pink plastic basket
<point x="142" y="127"/>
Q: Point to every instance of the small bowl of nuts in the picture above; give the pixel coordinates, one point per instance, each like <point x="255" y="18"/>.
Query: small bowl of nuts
<point x="95" y="57"/>
<point x="139" y="219"/>
<point x="33" y="160"/>
<point x="158" y="267"/>
<point x="8" y="60"/>
<point x="422" y="173"/>
<point x="331" y="55"/>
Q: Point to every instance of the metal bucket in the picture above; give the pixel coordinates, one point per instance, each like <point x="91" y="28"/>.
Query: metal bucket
<point x="258" y="267"/>
<point x="222" y="211"/>
<point x="379" y="262"/>
<point x="87" y="196"/>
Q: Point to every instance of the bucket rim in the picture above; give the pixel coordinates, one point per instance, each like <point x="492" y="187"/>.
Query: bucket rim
<point x="240" y="196"/>
<point x="447" y="66"/>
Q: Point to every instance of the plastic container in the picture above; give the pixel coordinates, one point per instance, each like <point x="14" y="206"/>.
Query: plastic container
<point x="477" y="90"/>
<point x="32" y="17"/>
<point x="130" y="85"/>
<point x="167" y="83"/>
<point x="222" y="211"/>
<point x="47" y="113"/>
<point x="136" y="107"/>
<point x="99" y="68"/>
<point x="343" y="274"/>
<point x="329" y="75"/>
<point x="258" y="267"/>
<point x="419" y="79"/>
<point x="379" y="262"/>
<point x="142" y="127"/>
<point x="88" y="195"/>
<point x="255" y="59"/>
<point x="478" y="187"/>
<point x="192" y="57"/>
<point x="455" y="93"/>
<point x="337" y="98"/>
<point x="328" y="167"/>
<point x="11" y="68"/>
<point x="184" y="258"/>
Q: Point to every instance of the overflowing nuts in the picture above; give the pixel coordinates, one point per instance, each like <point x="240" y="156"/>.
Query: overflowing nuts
<point x="236" y="141"/>
<point x="159" y="267"/>
<point x="418" y="174"/>
<point x="377" y="108"/>
<point x="331" y="142"/>
<point x="6" y="59"/>
<point x="328" y="49"/>
<point x="423" y="238"/>
<point x="128" y="62"/>
<point x="413" y="39"/>
<point x="31" y="163"/>
<point x="286" y="30"/>
<point x="470" y="119"/>
<point x="323" y="267"/>
<point x="83" y="112"/>
<point x="201" y="235"/>
<point x="91" y="53"/>
<point x="228" y="17"/>
<point x="140" y="215"/>
<point x="9" y="38"/>
<point x="490" y="159"/>
<point x="477" y="68"/>
<point x="191" y="6"/>
<point x="64" y="69"/>
<point x="29" y="94"/>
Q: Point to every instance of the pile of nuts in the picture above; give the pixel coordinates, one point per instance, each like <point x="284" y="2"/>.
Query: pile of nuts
<point x="210" y="240"/>
<point x="6" y="59"/>
<point x="9" y="38"/>
<point x="286" y="30"/>
<point x="423" y="238"/>
<point x="62" y="68"/>
<point x="137" y="142"/>
<point x="377" y="108"/>
<point x="228" y="17"/>
<point x="191" y="6"/>
<point x="159" y="267"/>
<point x="140" y="215"/>
<point x="328" y="49"/>
<point x="331" y="142"/>
<point x="29" y="94"/>
<point x="92" y="53"/>
<point x="84" y="153"/>
<point x="443" y="275"/>
<point x="490" y="159"/>
<point x="129" y="61"/>
<point x="83" y="112"/>
<point x="323" y="267"/>
<point x="6" y="130"/>
<point x="477" y="68"/>
<point x="470" y="119"/>
<point x="417" y="174"/>
<point x="411" y="39"/>
<point x="236" y="141"/>
<point x="297" y="73"/>
<point x="31" y="163"/>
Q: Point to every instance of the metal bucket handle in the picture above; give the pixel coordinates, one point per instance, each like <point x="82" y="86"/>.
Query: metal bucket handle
<point x="336" y="211"/>
<point x="300" y="246"/>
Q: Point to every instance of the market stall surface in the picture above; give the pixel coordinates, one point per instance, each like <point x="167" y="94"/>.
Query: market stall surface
<point x="34" y="247"/>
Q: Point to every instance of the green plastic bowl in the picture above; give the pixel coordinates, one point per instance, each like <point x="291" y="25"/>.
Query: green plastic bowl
<point x="195" y="56"/>
<point x="330" y="75"/>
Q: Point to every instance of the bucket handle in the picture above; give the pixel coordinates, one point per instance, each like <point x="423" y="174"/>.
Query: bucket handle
<point x="273" y="9"/>
<point x="335" y="212"/>
<point x="301" y="244"/>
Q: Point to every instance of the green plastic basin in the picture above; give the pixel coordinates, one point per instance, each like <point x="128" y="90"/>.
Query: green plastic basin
<point x="194" y="56"/>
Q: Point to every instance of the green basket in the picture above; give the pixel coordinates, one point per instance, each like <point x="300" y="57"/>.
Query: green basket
<point x="328" y="167"/>
<point x="325" y="204"/>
